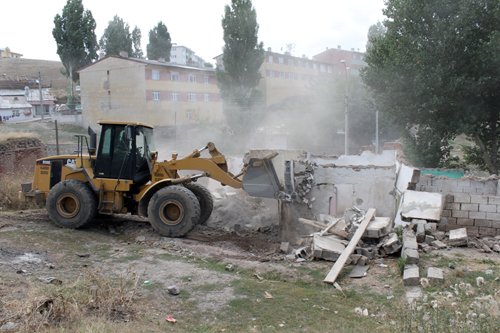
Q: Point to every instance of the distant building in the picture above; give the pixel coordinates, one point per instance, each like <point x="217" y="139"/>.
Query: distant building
<point x="154" y="92"/>
<point x="14" y="105"/>
<point x="7" y="53"/>
<point x="184" y="56"/>
<point x="353" y="59"/>
<point x="287" y="78"/>
<point x="46" y="105"/>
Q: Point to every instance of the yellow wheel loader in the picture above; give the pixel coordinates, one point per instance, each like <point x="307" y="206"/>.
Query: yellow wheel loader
<point x="123" y="175"/>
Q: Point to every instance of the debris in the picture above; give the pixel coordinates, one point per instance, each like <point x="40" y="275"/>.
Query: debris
<point x="435" y="274"/>
<point x="327" y="247"/>
<point x="8" y="326"/>
<point x="361" y="312"/>
<point x="412" y="294"/>
<point x="173" y="290"/>
<point x="424" y="282"/>
<point x="359" y="271"/>
<point x="319" y="225"/>
<point x="83" y="255"/>
<point x="303" y="252"/>
<point x="420" y="233"/>
<point x="430" y="228"/>
<point x="438" y="244"/>
<point x="391" y="244"/>
<point x="458" y="237"/>
<point x="496" y="248"/>
<point x="411" y="275"/>
<point x="170" y="319"/>
<point x="21" y="271"/>
<point x="284" y="247"/>
<point x="260" y="278"/>
<point x="378" y="228"/>
<point x="429" y="239"/>
<point x="147" y="283"/>
<point x="479" y="281"/>
<point x="362" y="261"/>
<point x="339" y="264"/>
<point x="267" y="295"/>
<point x="140" y="239"/>
<point x="50" y="280"/>
<point x="229" y="267"/>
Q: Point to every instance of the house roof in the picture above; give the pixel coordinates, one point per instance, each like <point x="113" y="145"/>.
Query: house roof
<point x="150" y="62"/>
<point x="6" y="103"/>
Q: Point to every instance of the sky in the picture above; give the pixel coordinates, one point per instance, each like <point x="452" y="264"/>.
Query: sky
<point x="310" y="26"/>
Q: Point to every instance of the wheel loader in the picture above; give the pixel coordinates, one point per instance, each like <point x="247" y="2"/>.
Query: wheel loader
<point x="123" y="175"/>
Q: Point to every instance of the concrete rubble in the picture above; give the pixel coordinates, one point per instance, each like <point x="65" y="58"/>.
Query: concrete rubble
<point x="458" y="237"/>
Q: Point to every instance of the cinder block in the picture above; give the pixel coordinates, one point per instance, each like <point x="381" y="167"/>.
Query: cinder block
<point x="495" y="224"/>
<point x="411" y="275"/>
<point x="465" y="222"/>
<point x="446" y="213"/>
<point x="481" y="199"/>
<point x="488" y="208"/>
<point x="450" y="198"/>
<point x="473" y="231"/>
<point x="473" y="207"/>
<point x="477" y="215"/>
<point x="451" y="205"/>
<point x="435" y="275"/>
<point x="487" y="231"/>
<point x="493" y="200"/>
<point x="458" y="237"/>
<point x="493" y="216"/>
<point x="460" y="213"/>
<point x="462" y="197"/>
<point x="482" y="223"/>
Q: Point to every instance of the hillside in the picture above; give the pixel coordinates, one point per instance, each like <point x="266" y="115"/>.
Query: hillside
<point x="22" y="69"/>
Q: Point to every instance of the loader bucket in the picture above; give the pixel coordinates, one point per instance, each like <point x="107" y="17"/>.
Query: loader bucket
<point x="260" y="179"/>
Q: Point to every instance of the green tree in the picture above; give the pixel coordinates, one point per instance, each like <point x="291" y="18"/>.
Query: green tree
<point x="242" y="57"/>
<point x="159" y="43"/>
<point x="437" y="69"/>
<point x="116" y="38"/>
<point x="136" y="43"/>
<point x="74" y="33"/>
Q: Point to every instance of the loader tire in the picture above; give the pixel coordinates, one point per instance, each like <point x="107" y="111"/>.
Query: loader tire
<point x="71" y="204"/>
<point x="205" y="199"/>
<point x="173" y="211"/>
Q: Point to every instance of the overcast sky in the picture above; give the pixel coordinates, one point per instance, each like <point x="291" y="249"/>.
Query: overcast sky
<point x="310" y="25"/>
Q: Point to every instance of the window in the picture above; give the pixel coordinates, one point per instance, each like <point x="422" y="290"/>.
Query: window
<point x="206" y="79"/>
<point x="192" y="78"/>
<point x="156" y="95"/>
<point x="155" y="74"/>
<point x="174" y="96"/>
<point x="270" y="59"/>
<point x="192" y="97"/>
<point x="174" y="76"/>
<point x="207" y="97"/>
<point x="281" y="60"/>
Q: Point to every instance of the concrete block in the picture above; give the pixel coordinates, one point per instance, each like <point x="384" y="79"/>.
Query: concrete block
<point x="493" y="216"/>
<point x="455" y="206"/>
<point x="458" y="237"/>
<point x="439" y="245"/>
<point x="435" y="275"/>
<point x="449" y="198"/>
<point x="483" y="231"/>
<point x="480" y="199"/>
<point x="462" y="197"/>
<point x="477" y="215"/>
<point x="473" y="231"/>
<point x="411" y="255"/>
<point x="465" y="222"/>
<point x="446" y="213"/>
<point x="473" y="207"/>
<point x="494" y="200"/>
<point x="411" y="275"/>
<point x="420" y="234"/>
<point x="429" y="239"/>
<point x="378" y="227"/>
<point x="391" y="244"/>
<point x="483" y="223"/>
<point x="284" y="247"/>
<point x="460" y="213"/>
<point x="487" y="208"/>
<point x="440" y="235"/>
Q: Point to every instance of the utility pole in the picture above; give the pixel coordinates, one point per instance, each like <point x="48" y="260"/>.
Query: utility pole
<point x="346" y="106"/>
<point x="40" y="92"/>
<point x="376" y="132"/>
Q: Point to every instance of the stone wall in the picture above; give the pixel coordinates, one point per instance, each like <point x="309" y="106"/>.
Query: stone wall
<point x="19" y="154"/>
<point x="472" y="203"/>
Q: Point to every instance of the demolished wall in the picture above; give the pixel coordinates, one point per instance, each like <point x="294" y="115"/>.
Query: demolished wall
<point x="469" y="202"/>
<point x="18" y="153"/>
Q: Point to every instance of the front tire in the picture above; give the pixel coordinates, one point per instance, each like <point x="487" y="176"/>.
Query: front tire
<point x="173" y="211"/>
<point x="71" y="204"/>
<point x="204" y="198"/>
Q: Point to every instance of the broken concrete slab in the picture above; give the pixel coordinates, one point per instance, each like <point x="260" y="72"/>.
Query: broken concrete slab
<point x="327" y="247"/>
<point x="411" y="275"/>
<point x="391" y="244"/>
<point x="429" y="239"/>
<point x="420" y="233"/>
<point x="378" y="228"/>
<point x="458" y="237"/>
<point x="439" y="245"/>
<point x="284" y="247"/>
<point x="413" y="294"/>
<point x="421" y="205"/>
<point x="435" y="275"/>
<point x="359" y="271"/>
<point x="410" y="255"/>
<point x="430" y="228"/>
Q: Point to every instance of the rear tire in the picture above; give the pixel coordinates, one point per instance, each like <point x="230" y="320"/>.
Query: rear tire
<point x="71" y="204"/>
<point x="205" y="199"/>
<point x="173" y="211"/>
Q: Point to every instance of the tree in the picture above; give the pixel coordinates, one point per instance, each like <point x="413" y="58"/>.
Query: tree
<point x="136" y="43"/>
<point x="159" y="43"/>
<point x="437" y="69"/>
<point x="116" y="38"/>
<point x="242" y="57"/>
<point x="74" y="33"/>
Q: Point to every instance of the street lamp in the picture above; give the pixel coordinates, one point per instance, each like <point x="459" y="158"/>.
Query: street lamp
<point x="346" y="110"/>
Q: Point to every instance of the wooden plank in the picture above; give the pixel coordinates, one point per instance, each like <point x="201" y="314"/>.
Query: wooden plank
<point x="319" y="225"/>
<point x="332" y="224"/>
<point x="339" y="264"/>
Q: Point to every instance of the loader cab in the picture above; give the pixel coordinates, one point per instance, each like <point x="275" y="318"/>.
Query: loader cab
<point x="125" y="152"/>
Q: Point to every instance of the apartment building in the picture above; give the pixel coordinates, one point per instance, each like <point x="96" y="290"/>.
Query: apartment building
<point x="185" y="56"/>
<point x="342" y="59"/>
<point x="155" y="92"/>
